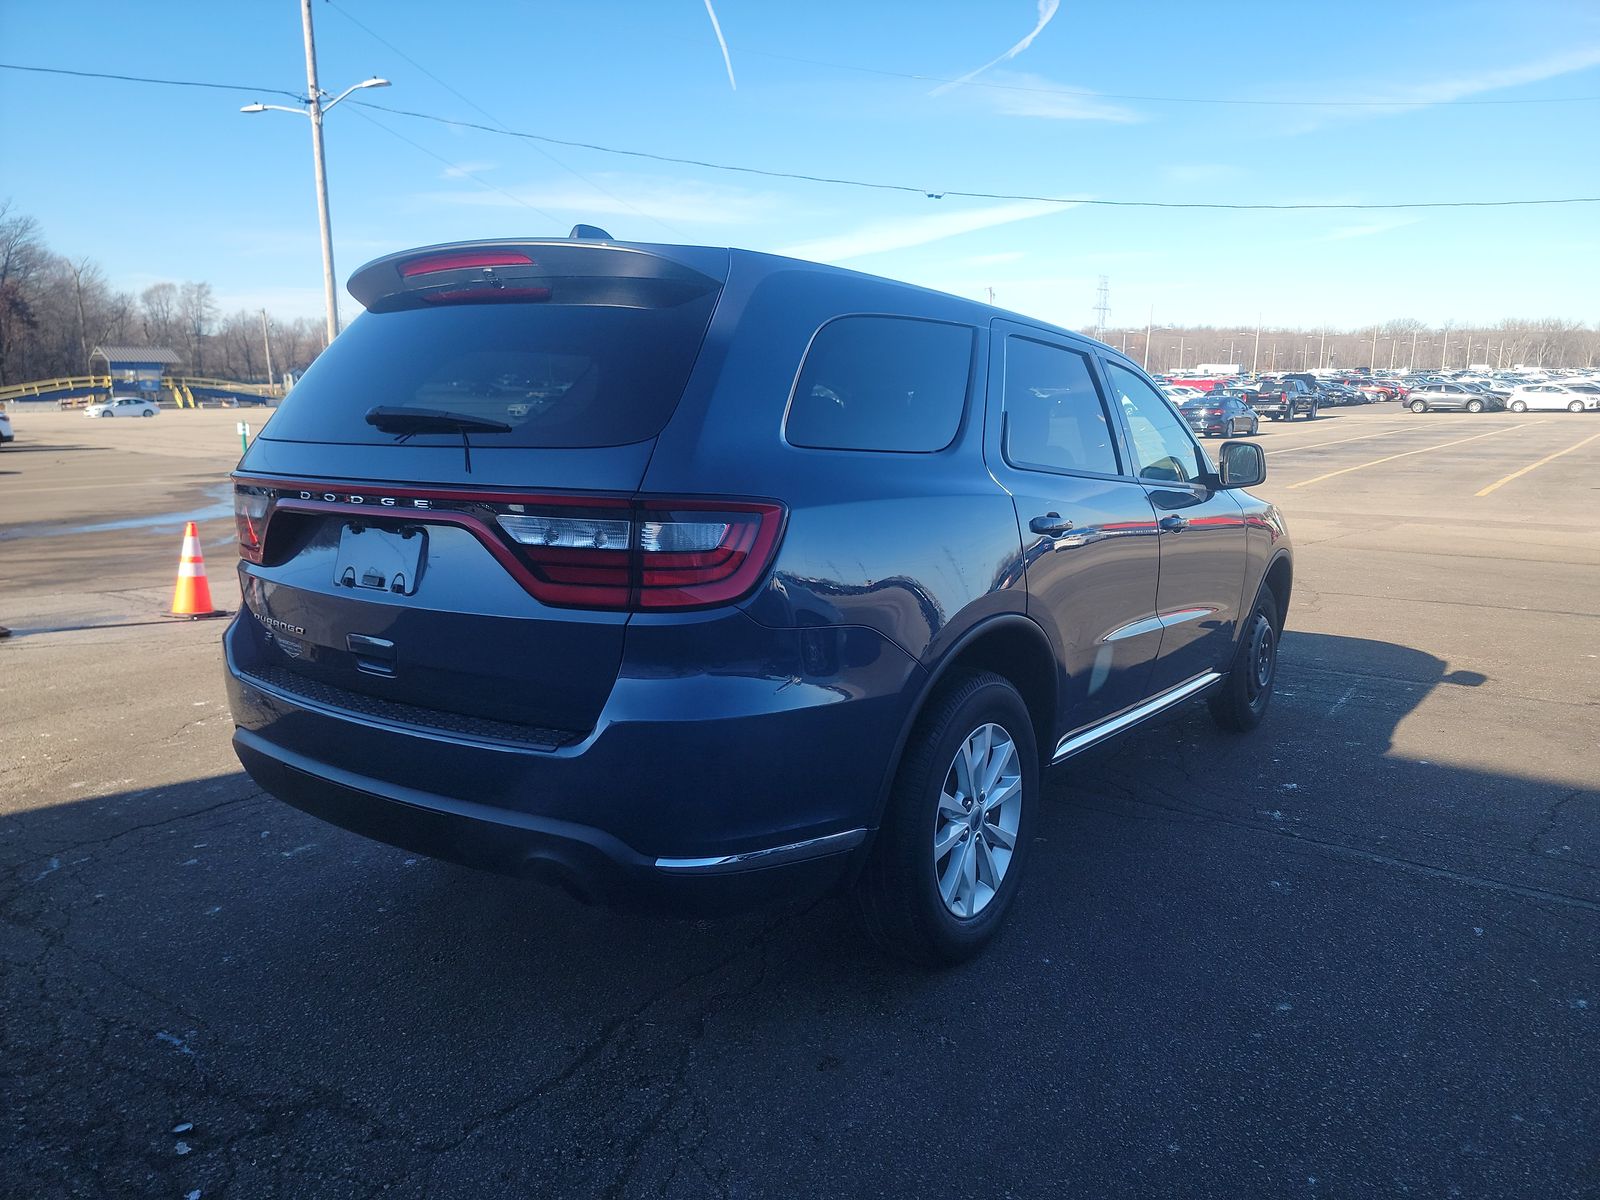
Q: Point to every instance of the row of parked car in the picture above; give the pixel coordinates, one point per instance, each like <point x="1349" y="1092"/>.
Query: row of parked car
<point x="1234" y="405"/>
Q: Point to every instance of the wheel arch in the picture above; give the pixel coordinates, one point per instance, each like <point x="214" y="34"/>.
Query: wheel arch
<point x="1010" y="645"/>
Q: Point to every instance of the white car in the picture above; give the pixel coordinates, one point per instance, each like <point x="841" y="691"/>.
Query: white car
<point x="5" y="430"/>
<point x="123" y="406"/>
<point x="1179" y="392"/>
<point x="1574" y="397"/>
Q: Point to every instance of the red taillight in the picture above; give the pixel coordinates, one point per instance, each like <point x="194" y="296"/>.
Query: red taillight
<point x="252" y="507"/>
<point x="644" y="555"/>
<point x="463" y="262"/>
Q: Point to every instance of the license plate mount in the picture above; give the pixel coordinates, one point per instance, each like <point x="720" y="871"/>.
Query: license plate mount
<point x="384" y="560"/>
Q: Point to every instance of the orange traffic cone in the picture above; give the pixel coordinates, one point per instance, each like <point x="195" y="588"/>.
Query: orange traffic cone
<point x="192" y="596"/>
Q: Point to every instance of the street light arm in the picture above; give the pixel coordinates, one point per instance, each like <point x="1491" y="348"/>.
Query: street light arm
<point x="355" y="87"/>
<point x="255" y="108"/>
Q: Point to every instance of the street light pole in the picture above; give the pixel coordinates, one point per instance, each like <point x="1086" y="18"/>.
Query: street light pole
<point x="1149" y="323"/>
<point x="266" y="344"/>
<point x="330" y="286"/>
<point x="1255" y="361"/>
<point x="316" y="109"/>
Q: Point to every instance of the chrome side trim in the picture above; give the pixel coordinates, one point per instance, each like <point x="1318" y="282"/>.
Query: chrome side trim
<point x="773" y="856"/>
<point x="1073" y="743"/>
<point x="1135" y="628"/>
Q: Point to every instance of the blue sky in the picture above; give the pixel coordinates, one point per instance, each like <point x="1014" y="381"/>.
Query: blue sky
<point x="158" y="183"/>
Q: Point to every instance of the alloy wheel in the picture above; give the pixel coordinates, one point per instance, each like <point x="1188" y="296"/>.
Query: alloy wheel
<point x="980" y="810"/>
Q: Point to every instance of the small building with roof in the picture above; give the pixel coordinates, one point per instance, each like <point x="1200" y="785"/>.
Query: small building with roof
<point x="134" y="368"/>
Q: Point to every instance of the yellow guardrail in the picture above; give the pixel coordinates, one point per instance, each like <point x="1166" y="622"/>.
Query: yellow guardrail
<point x="38" y="387"/>
<point x="180" y="386"/>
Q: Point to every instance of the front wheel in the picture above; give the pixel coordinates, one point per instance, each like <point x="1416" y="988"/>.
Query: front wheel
<point x="1419" y="406"/>
<point x="1240" y="701"/>
<point x="955" y="837"/>
<point x="108" y="413"/>
<point x="1519" y="406"/>
<point x="1474" y="406"/>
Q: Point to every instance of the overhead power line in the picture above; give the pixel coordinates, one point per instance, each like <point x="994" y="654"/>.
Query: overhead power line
<point x="188" y="83"/>
<point x="941" y="193"/>
<point x="837" y="181"/>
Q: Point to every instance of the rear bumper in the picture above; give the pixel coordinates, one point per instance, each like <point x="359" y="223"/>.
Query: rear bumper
<point x="712" y="791"/>
<point x="587" y="863"/>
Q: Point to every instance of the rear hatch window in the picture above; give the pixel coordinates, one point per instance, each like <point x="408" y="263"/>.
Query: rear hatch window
<point x="563" y="349"/>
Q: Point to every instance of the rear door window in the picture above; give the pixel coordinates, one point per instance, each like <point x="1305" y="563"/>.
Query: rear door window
<point x="1055" y="419"/>
<point x="882" y="383"/>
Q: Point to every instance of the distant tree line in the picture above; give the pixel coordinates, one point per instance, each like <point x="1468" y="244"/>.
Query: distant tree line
<point x="1402" y="344"/>
<point x="55" y="310"/>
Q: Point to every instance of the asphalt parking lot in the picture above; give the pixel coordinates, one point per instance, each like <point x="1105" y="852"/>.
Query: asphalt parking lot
<point x="1355" y="954"/>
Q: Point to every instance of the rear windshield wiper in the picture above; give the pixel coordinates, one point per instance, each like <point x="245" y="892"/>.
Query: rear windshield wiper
<point x="409" y="421"/>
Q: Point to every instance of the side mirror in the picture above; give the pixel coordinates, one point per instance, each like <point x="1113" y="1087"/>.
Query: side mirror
<point x="1241" y="464"/>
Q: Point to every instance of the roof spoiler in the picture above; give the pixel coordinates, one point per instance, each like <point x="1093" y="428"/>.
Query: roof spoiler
<point x="591" y="233"/>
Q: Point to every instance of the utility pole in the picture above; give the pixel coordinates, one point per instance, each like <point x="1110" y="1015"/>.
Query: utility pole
<point x="266" y="344"/>
<point x="1255" y="361"/>
<point x="1467" y="361"/>
<point x="1413" y="365"/>
<point x="1149" y="324"/>
<point x="1322" y="349"/>
<point x="1394" y="344"/>
<point x="1180" y="352"/>
<point x="330" y="289"/>
<point x="990" y="292"/>
<point x="1373" y="366"/>
<point x="1102" y="308"/>
<point x="1444" y="351"/>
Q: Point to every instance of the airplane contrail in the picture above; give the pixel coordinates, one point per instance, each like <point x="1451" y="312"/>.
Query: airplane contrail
<point x="716" y="27"/>
<point x="1047" y="11"/>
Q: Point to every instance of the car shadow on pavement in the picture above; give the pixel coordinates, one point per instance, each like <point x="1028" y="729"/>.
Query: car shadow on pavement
<point x="1239" y="963"/>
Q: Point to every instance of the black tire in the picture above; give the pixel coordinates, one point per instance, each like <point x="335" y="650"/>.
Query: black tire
<point x="148" y="413"/>
<point x="1276" y="416"/>
<point x="1255" y="426"/>
<point x="897" y="897"/>
<point x="1575" y="406"/>
<point x="1474" y="406"/>
<point x="1519" y="406"/>
<point x="1419" y="406"/>
<point x="108" y="413"/>
<point x="1240" y="701"/>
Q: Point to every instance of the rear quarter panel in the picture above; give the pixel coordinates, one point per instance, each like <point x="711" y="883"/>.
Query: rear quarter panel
<point x="919" y="547"/>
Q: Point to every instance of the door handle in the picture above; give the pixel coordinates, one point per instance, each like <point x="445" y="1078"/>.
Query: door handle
<point x="1052" y="524"/>
<point x="1174" y="524"/>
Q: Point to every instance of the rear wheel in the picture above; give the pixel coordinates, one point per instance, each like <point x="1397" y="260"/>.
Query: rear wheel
<point x="951" y="851"/>
<point x="1419" y="406"/>
<point x="1575" y="406"/>
<point x="1519" y="406"/>
<point x="1474" y="406"/>
<point x="1240" y="701"/>
<point x="149" y="412"/>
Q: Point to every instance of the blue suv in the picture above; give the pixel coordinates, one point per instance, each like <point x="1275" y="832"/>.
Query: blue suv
<point x="701" y="578"/>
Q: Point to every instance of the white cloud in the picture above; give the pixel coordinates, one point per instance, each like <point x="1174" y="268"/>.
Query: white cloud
<point x="1345" y="232"/>
<point x="1495" y="78"/>
<point x="667" y="199"/>
<point x="462" y="170"/>
<point x="1047" y="11"/>
<point x="1019" y="94"/>
<point x="903" y="233"/>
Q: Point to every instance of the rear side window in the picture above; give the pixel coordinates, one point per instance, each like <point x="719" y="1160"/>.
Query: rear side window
<point x="1055" y="419"/>
<point x="589" y="362"/>
<point x="882" y="383"/>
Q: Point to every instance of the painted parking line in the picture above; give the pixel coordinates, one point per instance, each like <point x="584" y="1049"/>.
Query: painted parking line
<point x="1342" y="441"/>
<point x="1408" y="453"/>
<point x="1500" y="483"/>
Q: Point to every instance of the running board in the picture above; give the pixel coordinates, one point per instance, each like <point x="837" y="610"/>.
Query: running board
<point x="1073" y="743"/>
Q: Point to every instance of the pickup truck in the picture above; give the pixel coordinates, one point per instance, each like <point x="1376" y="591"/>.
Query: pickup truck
<point x="1282" y="399"/>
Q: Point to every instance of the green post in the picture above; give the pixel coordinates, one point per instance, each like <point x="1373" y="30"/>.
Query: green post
<point x="244" y="436"/>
